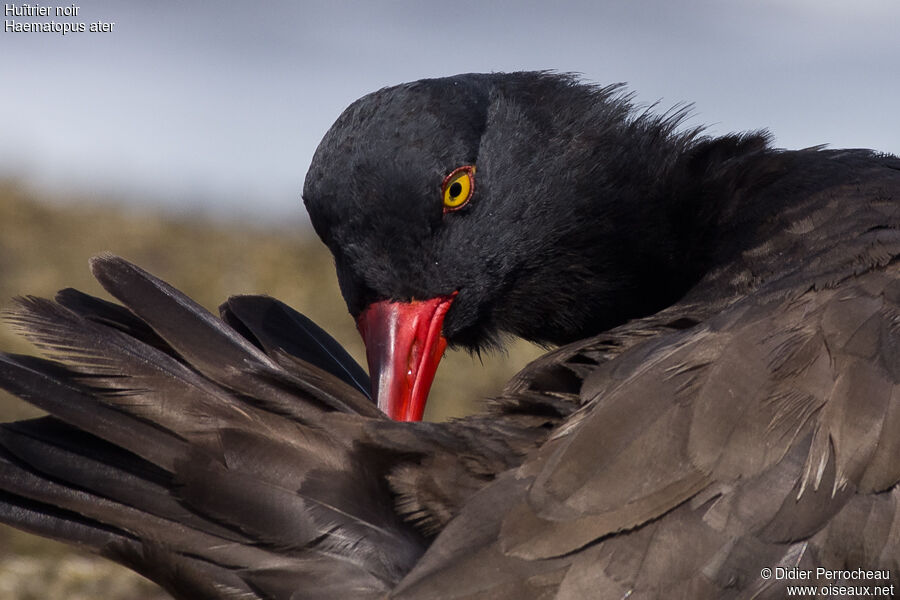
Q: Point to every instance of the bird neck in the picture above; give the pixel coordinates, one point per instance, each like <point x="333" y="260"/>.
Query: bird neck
<point x="705" y="206"/>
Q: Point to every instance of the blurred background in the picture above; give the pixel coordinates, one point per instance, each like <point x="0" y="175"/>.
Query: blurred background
<point x="218" y="105"/>
<point x="180" y="139"/>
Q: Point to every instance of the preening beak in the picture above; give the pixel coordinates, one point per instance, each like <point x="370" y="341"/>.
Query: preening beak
<point x="404" y="345"/>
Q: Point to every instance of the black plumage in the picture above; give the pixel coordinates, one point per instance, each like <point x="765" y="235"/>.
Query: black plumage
<point x="726" y="398"/>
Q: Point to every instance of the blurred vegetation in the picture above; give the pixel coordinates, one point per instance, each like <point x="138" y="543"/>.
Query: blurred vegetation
<point x="45" y="245"/>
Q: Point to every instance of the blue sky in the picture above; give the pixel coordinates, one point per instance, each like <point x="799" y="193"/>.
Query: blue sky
<point x="218" y="106"/>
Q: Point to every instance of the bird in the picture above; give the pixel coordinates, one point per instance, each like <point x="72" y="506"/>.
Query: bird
<point x="717" y="414"/>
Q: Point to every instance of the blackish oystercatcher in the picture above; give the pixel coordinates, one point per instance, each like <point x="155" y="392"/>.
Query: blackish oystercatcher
<point x="723" y="403"/>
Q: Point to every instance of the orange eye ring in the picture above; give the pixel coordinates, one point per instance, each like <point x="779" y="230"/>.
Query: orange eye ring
<point x="458" y="187"/>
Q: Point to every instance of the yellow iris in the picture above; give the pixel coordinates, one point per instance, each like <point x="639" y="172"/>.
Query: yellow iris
<point x="458" y="187"/>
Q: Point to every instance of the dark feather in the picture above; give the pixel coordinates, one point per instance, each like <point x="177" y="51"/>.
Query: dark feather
<point x="273" y="325"/>
<point x="176" y="474"/>
<point x="213" y="348"/>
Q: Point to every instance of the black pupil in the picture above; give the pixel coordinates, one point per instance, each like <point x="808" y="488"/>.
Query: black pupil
<point x="455" y="189"/>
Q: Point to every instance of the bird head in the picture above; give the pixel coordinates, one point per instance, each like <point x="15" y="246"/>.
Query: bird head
<point x="462" y="209"/>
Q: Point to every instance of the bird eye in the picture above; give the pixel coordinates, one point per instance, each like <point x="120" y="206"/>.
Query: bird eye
<point x="457" y="187"/>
